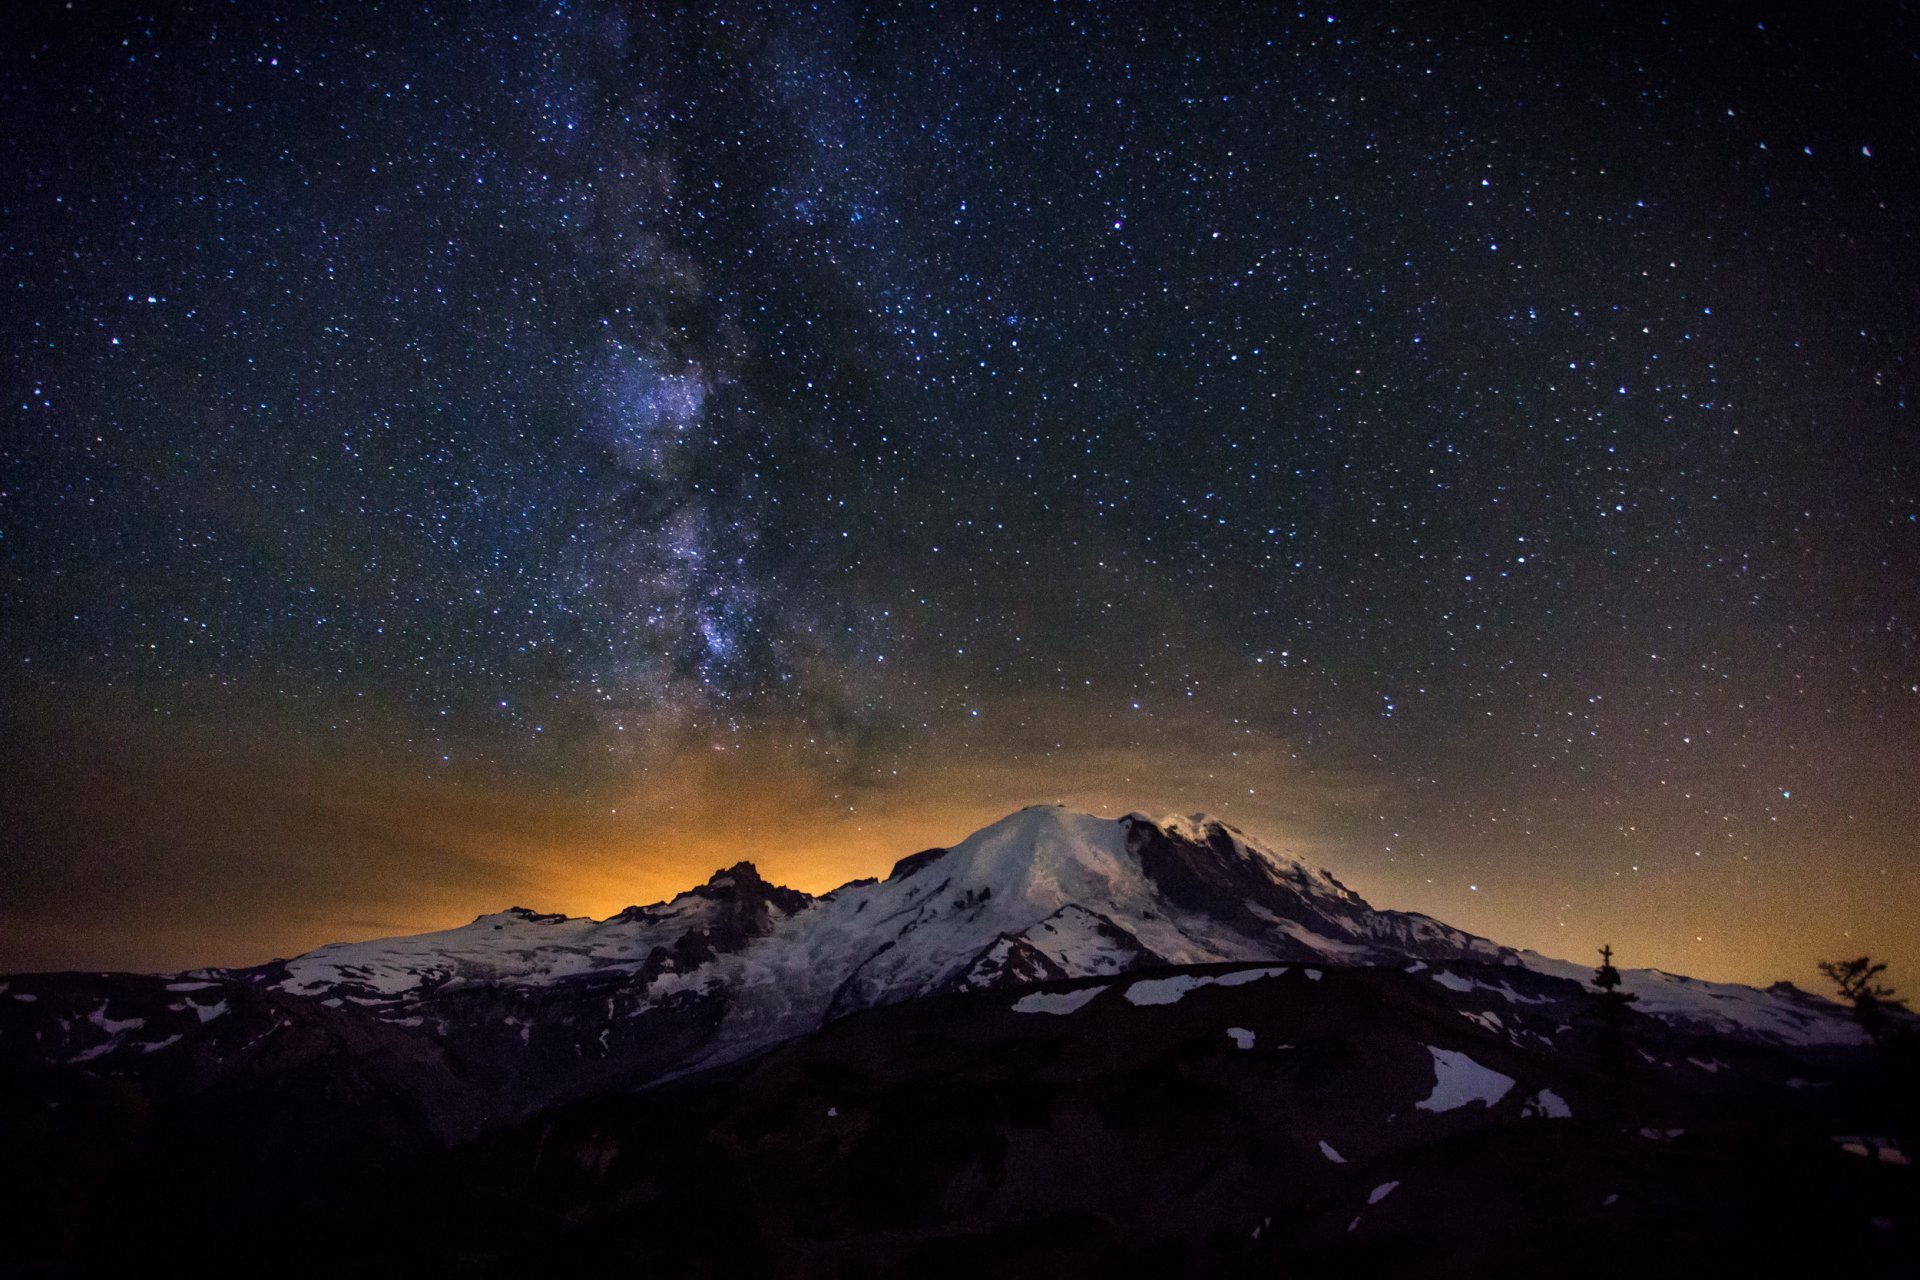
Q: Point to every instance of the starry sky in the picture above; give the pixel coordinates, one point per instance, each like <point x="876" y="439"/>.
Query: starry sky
<point x="471" y="453"/>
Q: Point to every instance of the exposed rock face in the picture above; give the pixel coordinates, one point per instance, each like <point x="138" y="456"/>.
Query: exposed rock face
<point x="1071" y="942"/>
<point x="745" y="907"/>
<point x="1202" y="865"/>
<point x="915" y="862"/>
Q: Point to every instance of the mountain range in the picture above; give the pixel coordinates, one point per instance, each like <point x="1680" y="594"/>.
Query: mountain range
<point x="1066" y="1044"/>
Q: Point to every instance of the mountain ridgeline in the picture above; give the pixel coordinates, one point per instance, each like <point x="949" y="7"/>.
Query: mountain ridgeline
<point x="964" y="1039"/>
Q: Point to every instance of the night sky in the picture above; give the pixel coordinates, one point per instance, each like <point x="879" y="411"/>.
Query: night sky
<point x="462" y="454"/>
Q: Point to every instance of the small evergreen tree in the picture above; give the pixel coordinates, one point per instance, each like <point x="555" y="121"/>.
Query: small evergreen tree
<point x="1607" y="978"/>
<point x="1610" y="1007"/>
<point x="1859" y="987"/>
<point x="1894" y="1036"/>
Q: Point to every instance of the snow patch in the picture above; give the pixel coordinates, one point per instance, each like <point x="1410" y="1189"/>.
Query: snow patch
<point x="1056" y="1001"/>
<point x="1327" y="1150"/>
<point x="1163" y="990"/>
<point x="1459" y="1080"/>
<point x="115" y="1028"/>
<point x="1244" y="976"/>
<point x="1331" y="948"/>
<point x="1455" y="982"/>
<point x="1241" y="1036"/>
<point x="1151" y="991"/>
<point x="1381" y="1192"/>
<point x="1548" y="1105"/>
<point x="1883" y="1150"/>
<point x="111" y="1026"/>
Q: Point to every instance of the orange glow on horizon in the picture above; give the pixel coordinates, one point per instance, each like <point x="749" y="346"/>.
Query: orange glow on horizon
<point x="289" y="852"/>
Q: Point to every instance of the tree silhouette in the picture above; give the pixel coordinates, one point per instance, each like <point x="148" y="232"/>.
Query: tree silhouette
<point x="1859" y="987"/>
<point x="1895" y="1038"/>
<point x="1610" y="1006"/>
<point x="1607" y="978"/>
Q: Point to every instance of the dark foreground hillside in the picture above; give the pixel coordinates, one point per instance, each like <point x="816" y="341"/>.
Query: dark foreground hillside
<point x="1288" y="1121"/>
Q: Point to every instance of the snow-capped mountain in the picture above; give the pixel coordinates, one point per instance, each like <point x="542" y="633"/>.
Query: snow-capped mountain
<point x="1044" y="893"/>
<point x="520" y="1009"/>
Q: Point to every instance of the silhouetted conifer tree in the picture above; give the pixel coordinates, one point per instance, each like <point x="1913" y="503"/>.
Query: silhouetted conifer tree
<point x="1878" y="1009"/>
<point x="1607" y="978"/>
<point x="1610" y="1006"/>
<point x="1857" y="980"/>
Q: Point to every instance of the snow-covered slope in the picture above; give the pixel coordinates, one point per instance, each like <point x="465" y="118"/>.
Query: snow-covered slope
<point x="1781" y="1014"/>
<point x="526" y="948"/>
<point x="1043" y="894"/>
<point x="1060" y="893"/>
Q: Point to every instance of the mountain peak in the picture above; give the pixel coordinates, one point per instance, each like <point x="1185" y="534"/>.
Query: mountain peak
<point x="524" y="915"/>
<point x="1049" y="848"/>
<point x="743" y="883"/>
<point x="740" y="873"/>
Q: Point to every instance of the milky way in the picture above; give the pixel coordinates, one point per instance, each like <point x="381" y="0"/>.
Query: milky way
<point x="540" y="449"/>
